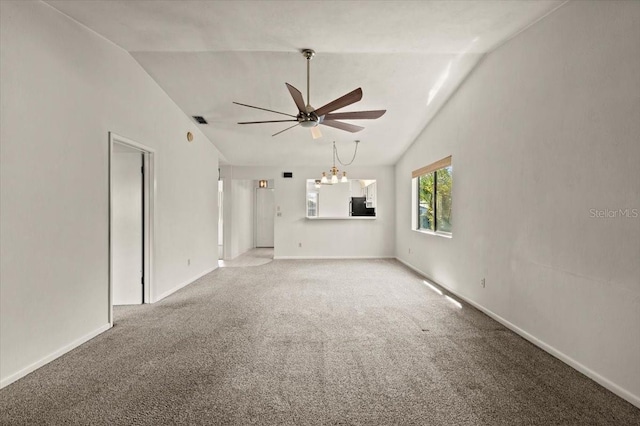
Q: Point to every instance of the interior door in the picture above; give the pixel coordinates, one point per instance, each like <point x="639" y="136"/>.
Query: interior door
<point x="265" y="215"/>
<point x="127" y="211"/>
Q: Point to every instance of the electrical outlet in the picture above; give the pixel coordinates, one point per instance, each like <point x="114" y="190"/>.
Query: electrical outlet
<point x="482" y="283"/>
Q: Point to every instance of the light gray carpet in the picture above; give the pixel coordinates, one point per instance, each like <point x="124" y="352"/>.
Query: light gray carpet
<point x="309" y="343"/>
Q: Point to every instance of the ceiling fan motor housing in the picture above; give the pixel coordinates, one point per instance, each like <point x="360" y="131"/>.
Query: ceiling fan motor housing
<point x="309" y="119"/>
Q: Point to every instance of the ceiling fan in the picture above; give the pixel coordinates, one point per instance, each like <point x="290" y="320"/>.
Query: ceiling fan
<point x="310" y="117"/>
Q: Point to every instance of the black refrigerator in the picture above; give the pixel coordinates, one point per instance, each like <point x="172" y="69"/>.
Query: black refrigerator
<point x="359" y="207"/>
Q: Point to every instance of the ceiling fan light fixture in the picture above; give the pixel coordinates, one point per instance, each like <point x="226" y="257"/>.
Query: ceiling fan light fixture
<point x="316" y="133"/>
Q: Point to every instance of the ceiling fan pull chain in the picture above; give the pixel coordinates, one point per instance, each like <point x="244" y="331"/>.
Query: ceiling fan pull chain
<point x="338" y="157"/>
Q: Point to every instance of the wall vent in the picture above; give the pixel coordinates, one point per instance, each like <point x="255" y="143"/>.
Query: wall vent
<point x="200" y="119"/>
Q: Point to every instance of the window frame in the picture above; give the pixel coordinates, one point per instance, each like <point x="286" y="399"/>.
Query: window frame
<point x="416" y="176"/>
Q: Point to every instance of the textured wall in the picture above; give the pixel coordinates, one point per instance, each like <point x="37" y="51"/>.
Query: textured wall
<point x="544" y="135"/>
<point x="63" y="89"/>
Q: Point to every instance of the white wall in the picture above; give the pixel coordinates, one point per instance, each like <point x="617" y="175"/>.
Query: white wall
<point x="327" y="238"/>
<point x="242" y="217"/>
<point x="333" y="200"/>
<point x="545" y="129"/>
<point x="63" y="88"/>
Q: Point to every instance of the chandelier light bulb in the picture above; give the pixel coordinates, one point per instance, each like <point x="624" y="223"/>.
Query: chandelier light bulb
<point x="344" y="178"/>
<point x="324" y="178"/>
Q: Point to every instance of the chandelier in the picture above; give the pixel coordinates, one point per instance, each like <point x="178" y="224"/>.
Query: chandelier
<point x="334" y="170"/>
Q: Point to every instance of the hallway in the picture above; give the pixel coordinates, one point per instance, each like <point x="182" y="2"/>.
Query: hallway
<point x="253" y="257"/>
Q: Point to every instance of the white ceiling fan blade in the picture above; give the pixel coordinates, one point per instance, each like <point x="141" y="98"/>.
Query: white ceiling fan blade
<point x="315" y="132"/>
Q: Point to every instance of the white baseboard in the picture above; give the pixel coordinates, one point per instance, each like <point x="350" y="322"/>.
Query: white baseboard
<point x="56" y="354"/>
<point x="182" y="284"/>
<point x="330" y="257"/>
<point x="618" y="390"/>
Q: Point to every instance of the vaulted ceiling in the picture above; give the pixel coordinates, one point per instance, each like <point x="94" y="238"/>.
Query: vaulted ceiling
<point x="408" y="57"/>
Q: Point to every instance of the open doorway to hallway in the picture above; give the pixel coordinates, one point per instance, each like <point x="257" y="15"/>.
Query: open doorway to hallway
<point x="265" y="217"/>
<point x="246" y="214"/>
<point x="220" y="219"/>
<point x="131" y="198"/>
<point x="127" y="231"/>
<point x="253" y="257"/>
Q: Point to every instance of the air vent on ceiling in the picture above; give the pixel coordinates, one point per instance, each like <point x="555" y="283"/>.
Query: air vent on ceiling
<point x="200" y="119"/>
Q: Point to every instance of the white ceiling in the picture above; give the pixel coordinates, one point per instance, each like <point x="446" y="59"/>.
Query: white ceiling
<point x="206" y="54"/>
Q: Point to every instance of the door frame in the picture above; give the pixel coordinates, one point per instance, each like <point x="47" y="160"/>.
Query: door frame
<point x="148" y="216"/>
<point x="221" y="216"/>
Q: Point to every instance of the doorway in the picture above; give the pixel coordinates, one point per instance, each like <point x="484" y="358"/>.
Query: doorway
<point x="220" y="219"/>
<point x="127" y="232"/>
<point x="131" y="200"/>
<point x="265" y="215"/>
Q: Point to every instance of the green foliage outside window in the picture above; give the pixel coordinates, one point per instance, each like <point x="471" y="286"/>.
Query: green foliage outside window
<point x="434" y="200"/>
<point x="425" y="201"/>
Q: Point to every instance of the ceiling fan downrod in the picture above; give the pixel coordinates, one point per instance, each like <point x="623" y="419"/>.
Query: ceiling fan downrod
<point x="308" y="54"/>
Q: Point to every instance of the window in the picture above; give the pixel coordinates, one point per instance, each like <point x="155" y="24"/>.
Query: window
<point x="432" y="197"/>
<point x="312" y="204"/>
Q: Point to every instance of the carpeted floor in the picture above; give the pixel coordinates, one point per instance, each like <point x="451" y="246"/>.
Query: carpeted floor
<point x="349" y="342"/>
